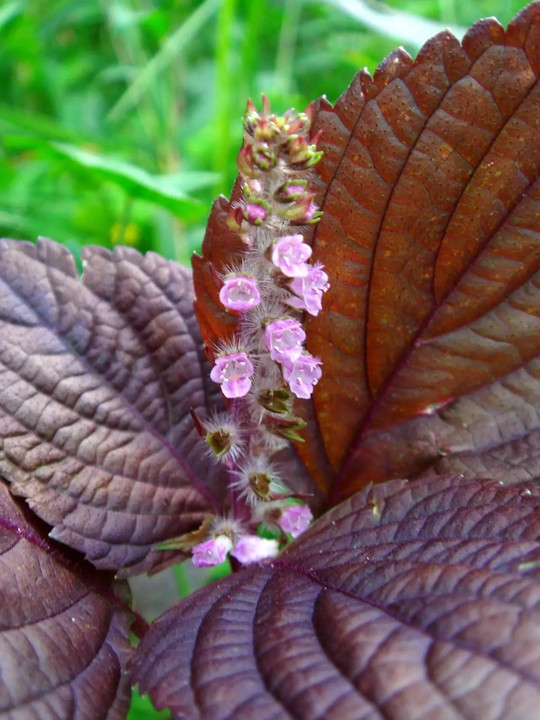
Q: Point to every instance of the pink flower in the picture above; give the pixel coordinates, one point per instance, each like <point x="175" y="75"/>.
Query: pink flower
<point x="289" y="254"/>
<point x="284" y="338"/>
<point x="252" y="548"/>
<point x="302" y="375"/>
<point x="310" y="289"/>
<point x="295" y="519"/>
<point x="233" y="372"/>
<point x="212" y="552"/>
<point x="239" y="293"/>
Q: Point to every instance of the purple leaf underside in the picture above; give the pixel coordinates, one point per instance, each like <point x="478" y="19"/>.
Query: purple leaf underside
<point x="97" y="377"/>
<point x="63" y="647"/>
<point x="410" y="600"/>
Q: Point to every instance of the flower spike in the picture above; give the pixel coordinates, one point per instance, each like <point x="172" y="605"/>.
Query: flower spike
<point x="266" y="366"/>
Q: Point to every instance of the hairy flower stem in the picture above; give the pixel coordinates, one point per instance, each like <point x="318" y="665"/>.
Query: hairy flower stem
<point x="266" y="363"/>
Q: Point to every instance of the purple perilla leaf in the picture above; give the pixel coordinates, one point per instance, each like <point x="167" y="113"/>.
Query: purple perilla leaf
<point x="97" y="378"/>
<point x="63" y="645"/>
<point x="409" y="600"/>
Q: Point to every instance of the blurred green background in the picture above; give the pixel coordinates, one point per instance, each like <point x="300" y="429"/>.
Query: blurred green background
<point x="120" y="119"/>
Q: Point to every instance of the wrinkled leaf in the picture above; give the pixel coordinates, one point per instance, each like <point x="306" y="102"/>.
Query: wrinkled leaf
<point x="410" y="600"/>
<point x="430" y="332"/>
<point x="97" y="378"/>
<point x="63" y="645"/>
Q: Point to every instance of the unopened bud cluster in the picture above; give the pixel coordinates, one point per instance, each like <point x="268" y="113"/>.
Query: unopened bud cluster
<point x="266" y="364"/>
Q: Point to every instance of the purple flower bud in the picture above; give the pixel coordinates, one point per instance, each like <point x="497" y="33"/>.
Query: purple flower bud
<point x="256" y="212"/>
<point x="263" y="158"/>
<point x="212" y="552"/>
<point x="240" y="293"/>
<point x="302" y="375"/>
<point x="233" y="372"/>
<point x="284" y="338"/>
<point x="295" y="519"/>
<point x="303" y="211"/>
<point x="313" y="214"/>
<point x="289" y="254"/>
<point x="252" y="548"/>
<point x="290" y="191"/>
<point x="294" y="188"/>
<point x="310" y="289"/>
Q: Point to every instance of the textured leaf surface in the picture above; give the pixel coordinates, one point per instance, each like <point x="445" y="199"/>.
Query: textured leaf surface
<point x="431" y="199"/>
<point x="410" y="600"/>
<point x="96" y="381"/>
<point x="63" y="647"/>
<point x="431" y="237"/>
<point x="221" y="248"/>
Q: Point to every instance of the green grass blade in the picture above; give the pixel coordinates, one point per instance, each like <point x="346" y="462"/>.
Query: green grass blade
<point x="142" y="709"/>
<point x="286" y="47"/>
<point x="36" y="124"/>
<point x="172" y="47"/>
<point x="9" y="11"/>
<point x="403" y="26"/>
<point x="138" y="183"/>
<point x="224" y="91"/>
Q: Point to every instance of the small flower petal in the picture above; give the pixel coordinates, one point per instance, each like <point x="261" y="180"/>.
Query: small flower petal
<point x="233" y="372"/>
<point x="240" y="293"/>
<point x="212" y="552"/>
<point x="289" y="254"/>
<point x="284" y="338"/>
<point x="252" y="548"/>
<point x="295" y="519"/>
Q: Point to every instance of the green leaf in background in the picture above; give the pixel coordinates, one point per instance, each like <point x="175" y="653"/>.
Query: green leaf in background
<point x="142" y="709"/>
<point x="161" y="190"/>
<point x="395" y="23"/>
<point x="119" y="120"/>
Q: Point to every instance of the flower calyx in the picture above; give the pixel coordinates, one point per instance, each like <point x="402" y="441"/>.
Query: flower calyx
<point x="286" y="428"/>
<point x="275" y="401"/>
